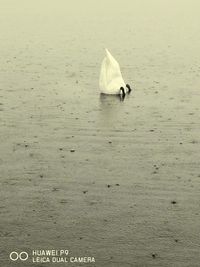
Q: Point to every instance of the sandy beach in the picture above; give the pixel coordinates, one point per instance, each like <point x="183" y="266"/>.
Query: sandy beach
<point x="104" y="178"/>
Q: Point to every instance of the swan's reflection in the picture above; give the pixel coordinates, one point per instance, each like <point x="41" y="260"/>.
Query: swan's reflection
<point x="110" y="99"/>
<point x="110" y="108"/>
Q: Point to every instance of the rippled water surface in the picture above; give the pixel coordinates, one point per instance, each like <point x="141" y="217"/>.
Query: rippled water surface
<point x="117" y="180"/>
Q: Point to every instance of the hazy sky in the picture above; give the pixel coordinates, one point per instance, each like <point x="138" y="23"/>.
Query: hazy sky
<point x="119" y="25"/>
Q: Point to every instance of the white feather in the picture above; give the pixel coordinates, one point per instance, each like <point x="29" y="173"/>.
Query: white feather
<point x="111" y="80"/>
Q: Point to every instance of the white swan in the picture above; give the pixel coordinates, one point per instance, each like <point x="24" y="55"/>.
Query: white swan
<point x="111" y="81"/>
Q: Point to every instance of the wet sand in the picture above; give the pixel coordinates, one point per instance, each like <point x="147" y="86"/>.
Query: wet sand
<point x="117" y="180"/>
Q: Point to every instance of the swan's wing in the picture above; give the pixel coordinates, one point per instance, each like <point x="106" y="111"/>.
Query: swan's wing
<point x="112" y="68"/>
<point x="110" y="79"/>
<point x="112" y="62"/>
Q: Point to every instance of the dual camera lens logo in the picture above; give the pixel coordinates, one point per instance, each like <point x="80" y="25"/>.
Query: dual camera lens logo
<point x="14" y="256"/>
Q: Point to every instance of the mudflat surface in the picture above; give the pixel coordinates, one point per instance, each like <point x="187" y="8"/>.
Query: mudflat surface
<point x="117" y="180"/>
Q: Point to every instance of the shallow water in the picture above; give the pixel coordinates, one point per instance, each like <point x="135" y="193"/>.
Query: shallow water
<point x="88" y="172"/>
